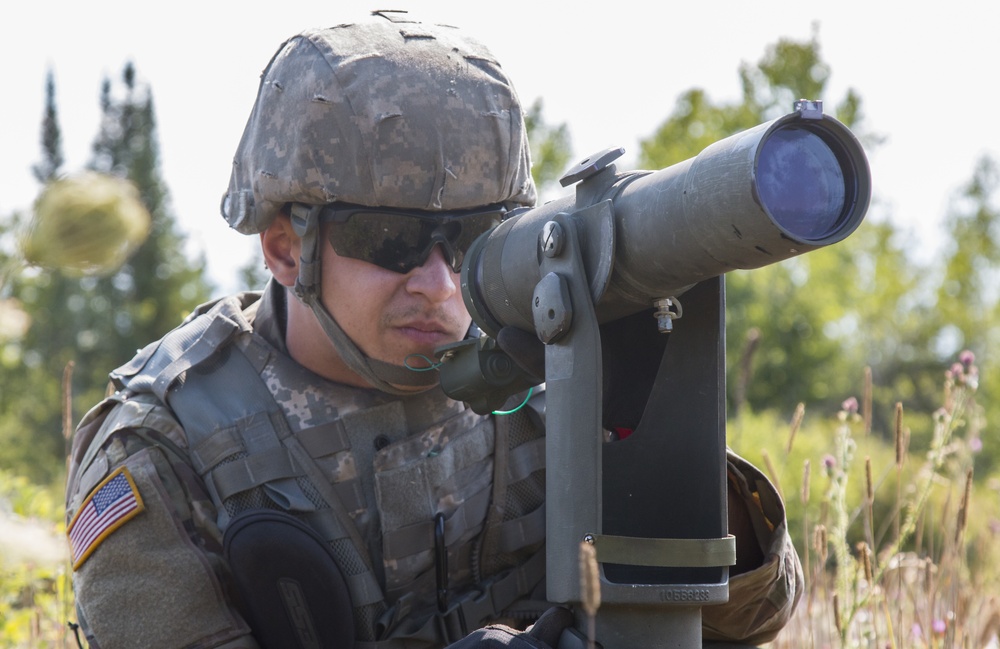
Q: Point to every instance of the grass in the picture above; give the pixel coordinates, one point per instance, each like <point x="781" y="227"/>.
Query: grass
<point x="900" y="549"/>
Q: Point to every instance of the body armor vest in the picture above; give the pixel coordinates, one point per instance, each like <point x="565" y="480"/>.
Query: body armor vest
<point x="434" y="514"/>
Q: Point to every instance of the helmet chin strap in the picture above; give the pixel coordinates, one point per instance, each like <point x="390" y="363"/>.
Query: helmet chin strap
<point x="381" y="375"/>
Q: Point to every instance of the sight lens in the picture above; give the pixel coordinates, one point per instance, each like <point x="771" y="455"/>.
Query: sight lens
<point x="801" y="183"/>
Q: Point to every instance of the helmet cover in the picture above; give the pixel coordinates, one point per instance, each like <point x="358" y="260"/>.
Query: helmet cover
<point x="386" y="112"/>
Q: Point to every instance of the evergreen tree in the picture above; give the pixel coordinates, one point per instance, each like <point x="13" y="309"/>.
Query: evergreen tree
<point x="158" y="285"/>
<point x="30" y="365"/>
<point x="52" y="153"/>
<point x="96" y="322"/>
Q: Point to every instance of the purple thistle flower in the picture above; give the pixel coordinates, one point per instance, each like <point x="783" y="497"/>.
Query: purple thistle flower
<point x="939" y="626"/>
<point x="967" y="358"/>
<point x="850" y="405"/>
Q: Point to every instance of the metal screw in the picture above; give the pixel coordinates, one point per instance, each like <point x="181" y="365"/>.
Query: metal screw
<point x="551" y="239"/>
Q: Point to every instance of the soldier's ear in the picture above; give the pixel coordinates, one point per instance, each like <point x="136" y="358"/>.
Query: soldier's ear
<point x="282" y="249"/>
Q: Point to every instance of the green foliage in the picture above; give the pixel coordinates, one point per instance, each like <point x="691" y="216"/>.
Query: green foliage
<point x="35" y="592"/>
<point x="253" y="275"/>
<point x="550" y="147"/>
<point x="797" y="330"/>
<point x="788" y="71"/>
<point x="95" y="322"/>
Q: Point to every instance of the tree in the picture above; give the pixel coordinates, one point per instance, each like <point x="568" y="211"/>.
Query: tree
<point x="805" y="330"/>
<point x="778" y="353"/>
<point x="96" y="322"/>
<point x="28" y="394"/>
<point x="52" y="153"/>
<point x="550" y="147"/>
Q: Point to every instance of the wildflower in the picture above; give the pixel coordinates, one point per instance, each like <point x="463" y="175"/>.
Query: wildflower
<point x="88" y="224"/>
<point x="829" y="463"/>
<point x="976" y="444"/>
<point x="850" y="406"/>
<point x="917" y="631"/>
<point x="964" y="372"/>
<point x="939" y="626"/>
<point x="967" y="358"/>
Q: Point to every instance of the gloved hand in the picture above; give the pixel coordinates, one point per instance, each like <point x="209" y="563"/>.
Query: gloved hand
<point x="525" y="349"/>
<point x="543" y="634"/>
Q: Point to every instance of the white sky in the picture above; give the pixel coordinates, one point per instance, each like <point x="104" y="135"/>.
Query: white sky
<point x="612" y="72"/>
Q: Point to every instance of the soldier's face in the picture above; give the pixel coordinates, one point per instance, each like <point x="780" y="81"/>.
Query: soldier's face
<point x="394" y="316"/>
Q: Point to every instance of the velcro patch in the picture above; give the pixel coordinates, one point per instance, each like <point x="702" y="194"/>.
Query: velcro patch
<point x="109" y="506"/>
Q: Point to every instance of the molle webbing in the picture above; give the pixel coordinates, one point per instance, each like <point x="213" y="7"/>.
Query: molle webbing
<point x="208" y="372"/>
<point x="235" y="428"/>
<point x="273" y="459"/>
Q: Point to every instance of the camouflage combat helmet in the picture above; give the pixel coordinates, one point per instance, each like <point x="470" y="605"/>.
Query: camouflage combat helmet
<point x="387" y="112"/>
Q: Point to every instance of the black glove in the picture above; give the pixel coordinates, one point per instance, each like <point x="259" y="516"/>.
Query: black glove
<point x="525" y="349"/>
<point x="543" y="634"/>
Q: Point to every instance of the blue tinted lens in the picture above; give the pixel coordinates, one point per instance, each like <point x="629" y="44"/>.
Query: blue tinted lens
<point x="801" y="183"/>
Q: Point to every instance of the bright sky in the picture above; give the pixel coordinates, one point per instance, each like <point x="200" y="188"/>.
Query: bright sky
<point x="612" y="73"/>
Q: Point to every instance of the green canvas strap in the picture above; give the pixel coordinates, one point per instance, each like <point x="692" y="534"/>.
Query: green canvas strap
<point x="674" y="553"/>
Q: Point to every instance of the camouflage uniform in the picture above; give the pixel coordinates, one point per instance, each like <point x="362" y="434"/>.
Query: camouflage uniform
<point x="392" y="463"/>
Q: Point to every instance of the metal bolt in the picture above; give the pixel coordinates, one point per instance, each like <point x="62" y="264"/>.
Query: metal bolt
<point x="589" y="539"/>
<point x="551" y="239"/>
<point x="667" y="310"/>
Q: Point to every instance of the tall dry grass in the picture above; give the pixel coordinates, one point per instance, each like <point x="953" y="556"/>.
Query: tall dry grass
<point x="901" y="550"/>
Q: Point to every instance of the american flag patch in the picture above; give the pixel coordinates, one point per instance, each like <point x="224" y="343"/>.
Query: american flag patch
<point x="108" y="507"/>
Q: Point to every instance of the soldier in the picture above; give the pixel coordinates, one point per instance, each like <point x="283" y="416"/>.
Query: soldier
<point x="278" y="471"/>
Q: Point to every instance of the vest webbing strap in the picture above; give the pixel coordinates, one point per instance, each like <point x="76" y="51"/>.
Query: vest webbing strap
<point x="471" y="611"/>
<point x="209" y="452"/>
<point x="326" y="439"/>
<point x="218" y="332"/>
<point x="522" y="532"/>
<point x="419" y="537"/>
<point x="254" y="470"/>
<point x="526" y="459"/>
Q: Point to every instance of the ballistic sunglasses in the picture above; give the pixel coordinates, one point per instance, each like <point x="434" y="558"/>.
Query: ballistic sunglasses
<point x="401" y="240"/>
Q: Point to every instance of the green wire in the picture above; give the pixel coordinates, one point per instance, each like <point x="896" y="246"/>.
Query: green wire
<point x="511" y="412"/>
<point x="433" y="366"/>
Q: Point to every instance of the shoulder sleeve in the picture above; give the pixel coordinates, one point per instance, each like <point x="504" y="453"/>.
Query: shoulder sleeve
<point x="146" y="551"/>
<point x="761" y="598"/>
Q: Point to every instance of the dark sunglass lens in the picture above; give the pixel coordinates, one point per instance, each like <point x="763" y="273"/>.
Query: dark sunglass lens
<point x="387" y="240"/>
<point x="472" y="227"/>
<point x="401" y="242"/>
